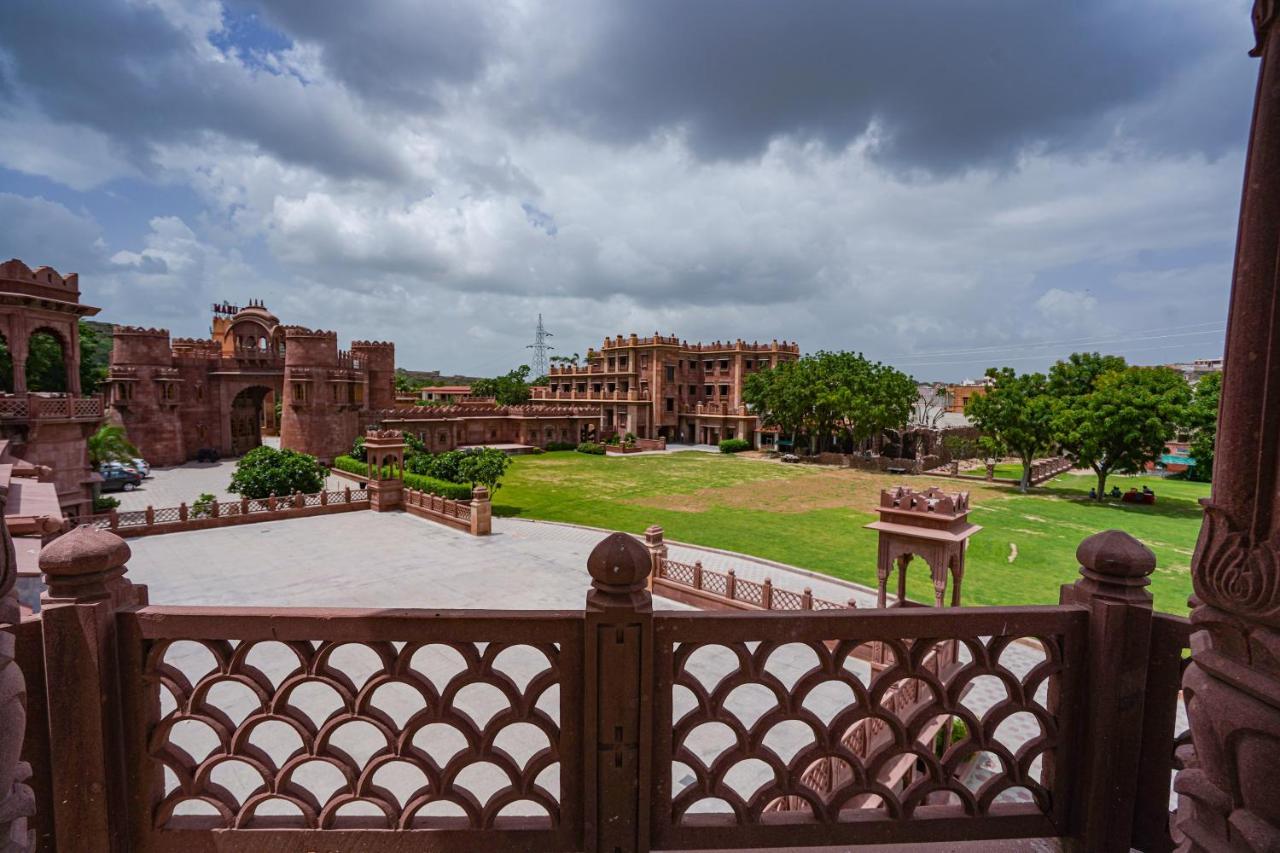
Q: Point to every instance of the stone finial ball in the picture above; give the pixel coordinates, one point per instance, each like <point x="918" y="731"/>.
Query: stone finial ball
<point x="1116" y="553"/>
<point x="84" y="550"/>
<point x="619" y="560"/>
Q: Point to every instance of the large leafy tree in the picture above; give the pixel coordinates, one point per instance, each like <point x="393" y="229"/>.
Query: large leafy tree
<point x="1123" y="422"/>
<point x="265" y="471"/>
<point x="830" y="396"/>
<point x="1018" y="411"/>
<point x="510" y="389"/>
<point x="1202" y="420"/>
<point x="779" y="397"/>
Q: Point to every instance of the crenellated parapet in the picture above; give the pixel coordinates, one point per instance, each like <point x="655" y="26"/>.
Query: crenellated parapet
<point x="140" y="332"/>
<point x="304" y="332"/>
<point x="15" y="271"/>
<point x="932" y="500"/>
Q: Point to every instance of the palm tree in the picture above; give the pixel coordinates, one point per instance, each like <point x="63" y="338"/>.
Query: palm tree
<point x="109" y="444"/>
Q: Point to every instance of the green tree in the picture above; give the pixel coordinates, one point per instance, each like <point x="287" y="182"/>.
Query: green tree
<point x="1202" y="420"/>
<point x="830" y="396"/>
<point x="110" y="444"/>
<point x="1080" y="372"/>
<point x="483" y="466"/>
<point x="1124" y="421"/>
<point x="1018" y="411"/>
<point x="510" y="389"/>
<point x="265" y="471"/>
<point x="778" y="398"/>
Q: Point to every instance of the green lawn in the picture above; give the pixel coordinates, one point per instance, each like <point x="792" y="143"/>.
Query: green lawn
<point x="813" y="517"/>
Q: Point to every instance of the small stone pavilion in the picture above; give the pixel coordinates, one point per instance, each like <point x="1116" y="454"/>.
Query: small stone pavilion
<point x="933" y="525"/>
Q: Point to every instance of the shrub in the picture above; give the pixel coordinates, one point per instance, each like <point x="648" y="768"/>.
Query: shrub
<point x="105" y="503"/>
<point x="592" y="448"/>
<point x="484" y="466"/>
<point x="443" y="488"/>
<point x="734" y="445"/>
<point x="561" y="445"/>
<point x="357" y="450"/>
<point x="614" y="440"/>
<point x="421" y="482"/>
<point x="351" y="465"/>
<point x="265" y="471"/>
<point x="446" y="466"/>
<point x="202" y="506"/>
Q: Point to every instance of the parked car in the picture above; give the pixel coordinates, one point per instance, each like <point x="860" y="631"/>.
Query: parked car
<point x="120" y="480"/>
<point x="141" y="466"/>
<point x="117" y="466"/>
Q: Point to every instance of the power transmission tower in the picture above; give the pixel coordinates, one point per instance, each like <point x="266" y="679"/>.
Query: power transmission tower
<point x="540" y="346"/>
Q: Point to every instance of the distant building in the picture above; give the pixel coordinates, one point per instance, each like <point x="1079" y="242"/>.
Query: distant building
<point x="445" y="393"/>
<point x="959" y="395"/>
<point x="1194" y="371"/>
<point x="663" y="387"/>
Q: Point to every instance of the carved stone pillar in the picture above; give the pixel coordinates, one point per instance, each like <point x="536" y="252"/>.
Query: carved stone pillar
<point x="1228" y="792"/>
<point x="16" y="800"/>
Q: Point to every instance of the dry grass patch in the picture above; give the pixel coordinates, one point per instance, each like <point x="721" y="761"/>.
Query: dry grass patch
<point x="807" y="489"/>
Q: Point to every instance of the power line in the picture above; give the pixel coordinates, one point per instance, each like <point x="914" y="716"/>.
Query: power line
<point x="540" y="347"/>
<point x="997" y="352"/>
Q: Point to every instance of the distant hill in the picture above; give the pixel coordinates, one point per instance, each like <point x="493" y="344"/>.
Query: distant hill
<point x="434" y="377"/>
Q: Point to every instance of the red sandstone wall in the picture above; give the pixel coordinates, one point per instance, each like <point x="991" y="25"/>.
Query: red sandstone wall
<point x="152" y="423"/>
<point x="378" y="360"/>
<point x="311" y="420"/>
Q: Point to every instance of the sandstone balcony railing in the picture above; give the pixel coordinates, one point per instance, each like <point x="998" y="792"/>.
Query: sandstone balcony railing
<point x="171" y="519"/>
<point x="474" y="516"/>
<point x="709" y="589"/>
<point x="613" y="727"/>
<point x="630" y="395"/>
<point x="722" y="409"/>
<point x="32" y="407"/>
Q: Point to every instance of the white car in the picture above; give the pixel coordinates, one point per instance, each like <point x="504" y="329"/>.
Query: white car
<point x="141" y="466"/>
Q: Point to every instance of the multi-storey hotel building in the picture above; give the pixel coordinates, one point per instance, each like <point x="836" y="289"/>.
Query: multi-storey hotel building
<point x="663" y="387"/>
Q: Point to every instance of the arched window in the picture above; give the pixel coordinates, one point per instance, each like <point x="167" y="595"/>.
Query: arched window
<point x="46" y="365"/>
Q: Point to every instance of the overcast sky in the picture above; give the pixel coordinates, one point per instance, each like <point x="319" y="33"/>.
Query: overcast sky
<point x="942" y="185"/>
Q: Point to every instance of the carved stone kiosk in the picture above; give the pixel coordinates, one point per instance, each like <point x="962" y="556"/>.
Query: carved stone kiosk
<point x="931" y="524"/>
<point x="384" y="450"/>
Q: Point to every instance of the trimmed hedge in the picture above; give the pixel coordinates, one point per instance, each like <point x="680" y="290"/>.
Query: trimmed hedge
<point x="591" y="447"/>
<point x="421" y="482"/>
<point x="561" y="445"/>
<point x="734" y="445"/>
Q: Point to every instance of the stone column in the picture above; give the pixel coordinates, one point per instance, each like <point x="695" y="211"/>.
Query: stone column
<point x="654" y="540"/>
<point x="17" y="803"/>
<point x="481" y="512"/>
<point x="618" y="712"/>
<point x="1115" y="570"/>
<point x="72" y="359"/>
<point x="84" y="571"/>
<point x="1229" y="791"/>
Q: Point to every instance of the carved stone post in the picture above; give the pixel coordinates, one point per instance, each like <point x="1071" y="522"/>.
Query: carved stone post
<point x="84" y="571"/>
<point x="653" y="540"/>
<point x="1229" y="793"/>
<point x="481" y="512"/>
<point x="1114" y="573"/>
<point x="17" y="803"/>
<point x="618" y="717"/>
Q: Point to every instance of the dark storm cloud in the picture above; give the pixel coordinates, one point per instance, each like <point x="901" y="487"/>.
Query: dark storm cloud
<point x="396" y="51"/>
<point x="128" y="71"/>
<point x="949" y="84"/>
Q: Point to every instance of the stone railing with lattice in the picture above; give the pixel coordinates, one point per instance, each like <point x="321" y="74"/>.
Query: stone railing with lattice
<point x="50" y="408"/>
<point x="694" y="584"/>
<point x="473" y="516"/>
<point x="198" y="516"/>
